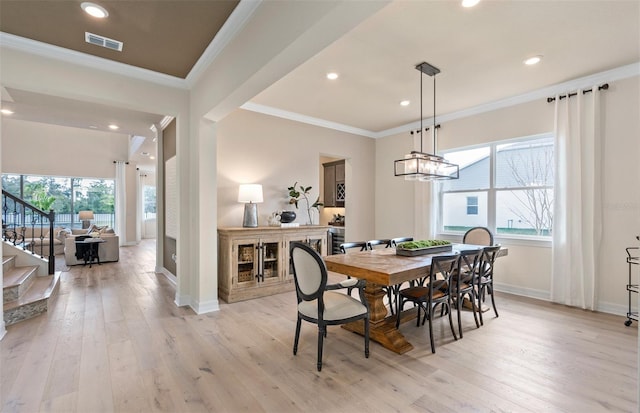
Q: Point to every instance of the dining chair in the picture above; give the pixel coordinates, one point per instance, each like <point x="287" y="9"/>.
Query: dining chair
<point x="318" y="303"/>
<point x="358" y="245"/>
<point x="432" y="290"/>
<point x="484" y="283"/>
<point x="463" y="283"/>
<point x="396" y="241"/>
<point x="478" y="236"/>
<point x="376" y="242"/>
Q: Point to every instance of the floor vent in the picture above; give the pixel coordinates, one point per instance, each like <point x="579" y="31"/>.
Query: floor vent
<point x="103" y="41"/>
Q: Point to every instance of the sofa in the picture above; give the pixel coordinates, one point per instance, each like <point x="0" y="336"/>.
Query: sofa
<point x="108" y="251"/>
<point x="37" y="239"/>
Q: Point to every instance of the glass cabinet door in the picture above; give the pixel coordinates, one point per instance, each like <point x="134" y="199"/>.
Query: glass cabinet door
<point x="270" y="259"/>
<point x="247" y="263"/>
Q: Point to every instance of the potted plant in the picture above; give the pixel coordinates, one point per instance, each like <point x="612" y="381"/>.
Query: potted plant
<point x="302" y="192"/>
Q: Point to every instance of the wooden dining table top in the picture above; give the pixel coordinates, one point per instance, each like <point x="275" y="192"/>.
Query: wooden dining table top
<point x="384" y="267"/>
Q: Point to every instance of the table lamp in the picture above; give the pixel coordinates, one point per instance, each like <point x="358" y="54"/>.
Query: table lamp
<point x="250" y="195"/>
<point x="85" y="217"/>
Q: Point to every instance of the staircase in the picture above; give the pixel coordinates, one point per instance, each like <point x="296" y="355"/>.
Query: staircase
<point x="25" y="294"/>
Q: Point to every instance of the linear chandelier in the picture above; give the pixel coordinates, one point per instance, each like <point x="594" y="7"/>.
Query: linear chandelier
<point x="419" y="165"/>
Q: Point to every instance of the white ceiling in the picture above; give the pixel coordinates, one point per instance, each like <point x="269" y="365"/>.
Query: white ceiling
<point x="479" y="52"/>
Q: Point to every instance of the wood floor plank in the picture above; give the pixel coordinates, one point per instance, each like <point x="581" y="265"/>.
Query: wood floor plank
<point x="116" y="342"/>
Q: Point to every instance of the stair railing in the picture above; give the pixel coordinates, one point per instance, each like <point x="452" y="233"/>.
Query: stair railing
<point x="20" y="220"/>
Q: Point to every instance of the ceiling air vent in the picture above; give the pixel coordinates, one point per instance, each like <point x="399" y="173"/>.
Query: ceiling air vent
<point x="103" y="41"/>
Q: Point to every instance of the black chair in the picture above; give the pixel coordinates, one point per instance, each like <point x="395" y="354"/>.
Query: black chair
<point x="375" y="242"/>
<point x="318" y="304"/>
<point x="478" y="236"/>
<point x="484" y="283"/>
<point x="396" y="241"/>
<point x="463" y="283"/>
<point x="432" y="290"/>
<point x="351" y="245"/>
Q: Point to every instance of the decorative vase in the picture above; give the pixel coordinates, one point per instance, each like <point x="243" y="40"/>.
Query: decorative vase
<point x="287" y="216"/>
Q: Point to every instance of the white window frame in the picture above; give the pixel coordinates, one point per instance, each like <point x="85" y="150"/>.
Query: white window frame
<point x="492" y="191"/>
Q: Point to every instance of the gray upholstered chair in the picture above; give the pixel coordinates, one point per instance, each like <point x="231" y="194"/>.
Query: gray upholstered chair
<point x="478" y="236"/>
<point x="318" y="303"/>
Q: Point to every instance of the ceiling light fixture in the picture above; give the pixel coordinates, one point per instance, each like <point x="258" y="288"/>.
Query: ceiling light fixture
<point x="404" y="103"/>
<point x="533" y="60"/>
<point x="332" y="76"/>
<point x="94" y="10"/>
<point x="469" y="3"/>
<point x="114" y="127"/>
<point x="6" y="112"/>
<point x="424" y="166"/>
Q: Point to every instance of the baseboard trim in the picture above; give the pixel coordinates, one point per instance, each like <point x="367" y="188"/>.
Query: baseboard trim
<point x="172" y="278"/>
<point x="206" y="307"/>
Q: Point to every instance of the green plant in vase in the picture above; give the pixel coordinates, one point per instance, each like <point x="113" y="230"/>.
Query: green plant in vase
<point x="298" y="193"/>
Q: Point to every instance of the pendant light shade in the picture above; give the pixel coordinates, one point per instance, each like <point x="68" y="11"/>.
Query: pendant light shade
<point x="419" y="165"/>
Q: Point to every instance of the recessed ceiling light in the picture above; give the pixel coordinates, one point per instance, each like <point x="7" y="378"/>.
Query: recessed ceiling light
<point x="533" y="60"/>
<point x="114" y="127"/>
<point x="94" y="10"/>
<point x="469" y="3"/>
<point x="332" y="76"/>
<point x="6" y="111"/>
<point x="405" y="103"/>
<point x="152" y="157"/>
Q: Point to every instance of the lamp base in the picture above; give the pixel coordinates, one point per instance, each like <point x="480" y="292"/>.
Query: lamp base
<point x="85" y="224"/>
<point x="250" y="215"/>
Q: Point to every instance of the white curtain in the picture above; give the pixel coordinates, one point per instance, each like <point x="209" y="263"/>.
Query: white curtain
<point x="577" y="222"/>
<point x="121" y="201"/>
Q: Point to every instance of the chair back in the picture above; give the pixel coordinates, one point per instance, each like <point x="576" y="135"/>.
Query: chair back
<point x="373" y="242"/>
<point x="478" y="236"/>
<point x="489" y="255"/>
<point x="396" y="241"/>
<point x="361" y="246"/>
<point x="309" y="272"/>
<point x="442" y="267"/>
<point x="468" y="265"/>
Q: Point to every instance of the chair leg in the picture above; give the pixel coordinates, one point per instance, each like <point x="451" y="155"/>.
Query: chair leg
<point x="480" y="292"/>
<point x="472" y="299"/>
<point x="453" y="331"/>
<point x="322" y="330"/>
<point x="430" y="316"/>
<point x="295" y="341"/>
<point x="459" y="304"/>
<point x="493" y="301"/>
<point x="366" y="337"/>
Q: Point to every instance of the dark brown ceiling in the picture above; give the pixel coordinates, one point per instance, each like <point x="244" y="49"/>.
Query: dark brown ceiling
<point x="166" y="36"/>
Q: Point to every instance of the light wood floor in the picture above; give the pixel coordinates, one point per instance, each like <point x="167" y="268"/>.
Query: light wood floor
<point x="115" y="342"/>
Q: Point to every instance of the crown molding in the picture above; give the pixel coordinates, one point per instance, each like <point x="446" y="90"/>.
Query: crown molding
<point x="234" y="24"/>
<point x="596" y="79"/>
<point x="285" y="114"/>
<point x="11" y="41"/>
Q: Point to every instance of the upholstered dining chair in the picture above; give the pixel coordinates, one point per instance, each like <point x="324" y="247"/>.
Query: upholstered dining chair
<point x="318" y="303"/>
<point x="432" y="290"/>
<point x="478" y="236"/>
<point x="484" y="283"/>
<point x="463" y="283"/>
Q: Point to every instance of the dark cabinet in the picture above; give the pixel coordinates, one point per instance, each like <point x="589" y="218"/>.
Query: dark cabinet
<point x="334" y="187"/>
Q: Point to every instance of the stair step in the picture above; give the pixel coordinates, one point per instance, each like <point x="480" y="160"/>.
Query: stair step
<point x="35" y="301"/>
<point x="8" y="262"/>
<point x="17" y="280"/>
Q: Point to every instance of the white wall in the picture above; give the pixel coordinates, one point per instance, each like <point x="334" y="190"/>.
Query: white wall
<point x="527" y="269"/>
<point x="41" y="149"/>
<point x="255" y="148"/>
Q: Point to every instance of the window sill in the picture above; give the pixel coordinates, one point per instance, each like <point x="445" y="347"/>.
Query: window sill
<point x="538" y="242"/>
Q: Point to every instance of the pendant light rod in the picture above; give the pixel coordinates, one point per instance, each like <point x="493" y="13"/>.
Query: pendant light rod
<point x="432" y="71"/>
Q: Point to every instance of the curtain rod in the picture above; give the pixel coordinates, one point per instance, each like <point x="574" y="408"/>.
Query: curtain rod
<point x="603" y="87"/>
<point x="125" y="162"/>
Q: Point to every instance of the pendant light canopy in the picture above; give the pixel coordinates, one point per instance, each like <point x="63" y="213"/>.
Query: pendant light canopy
<point x="420" y="165"/>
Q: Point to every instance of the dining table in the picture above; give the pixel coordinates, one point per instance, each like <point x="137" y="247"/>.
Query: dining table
<point x="384" y="268"/>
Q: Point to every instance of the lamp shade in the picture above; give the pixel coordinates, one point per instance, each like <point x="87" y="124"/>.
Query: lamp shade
<point x="250" y="193"/>
<point x="85" y="215"/>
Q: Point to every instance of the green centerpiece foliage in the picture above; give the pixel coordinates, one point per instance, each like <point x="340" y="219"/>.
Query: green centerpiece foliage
<point x="414" y="245"/>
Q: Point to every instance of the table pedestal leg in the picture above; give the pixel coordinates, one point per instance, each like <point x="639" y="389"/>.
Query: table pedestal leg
<point x="382" y="329"/>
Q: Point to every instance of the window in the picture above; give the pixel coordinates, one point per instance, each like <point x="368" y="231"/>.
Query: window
<point x="66" y="196"/>
<point x="472" y="205"/>
<point x="506" y="186"/>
